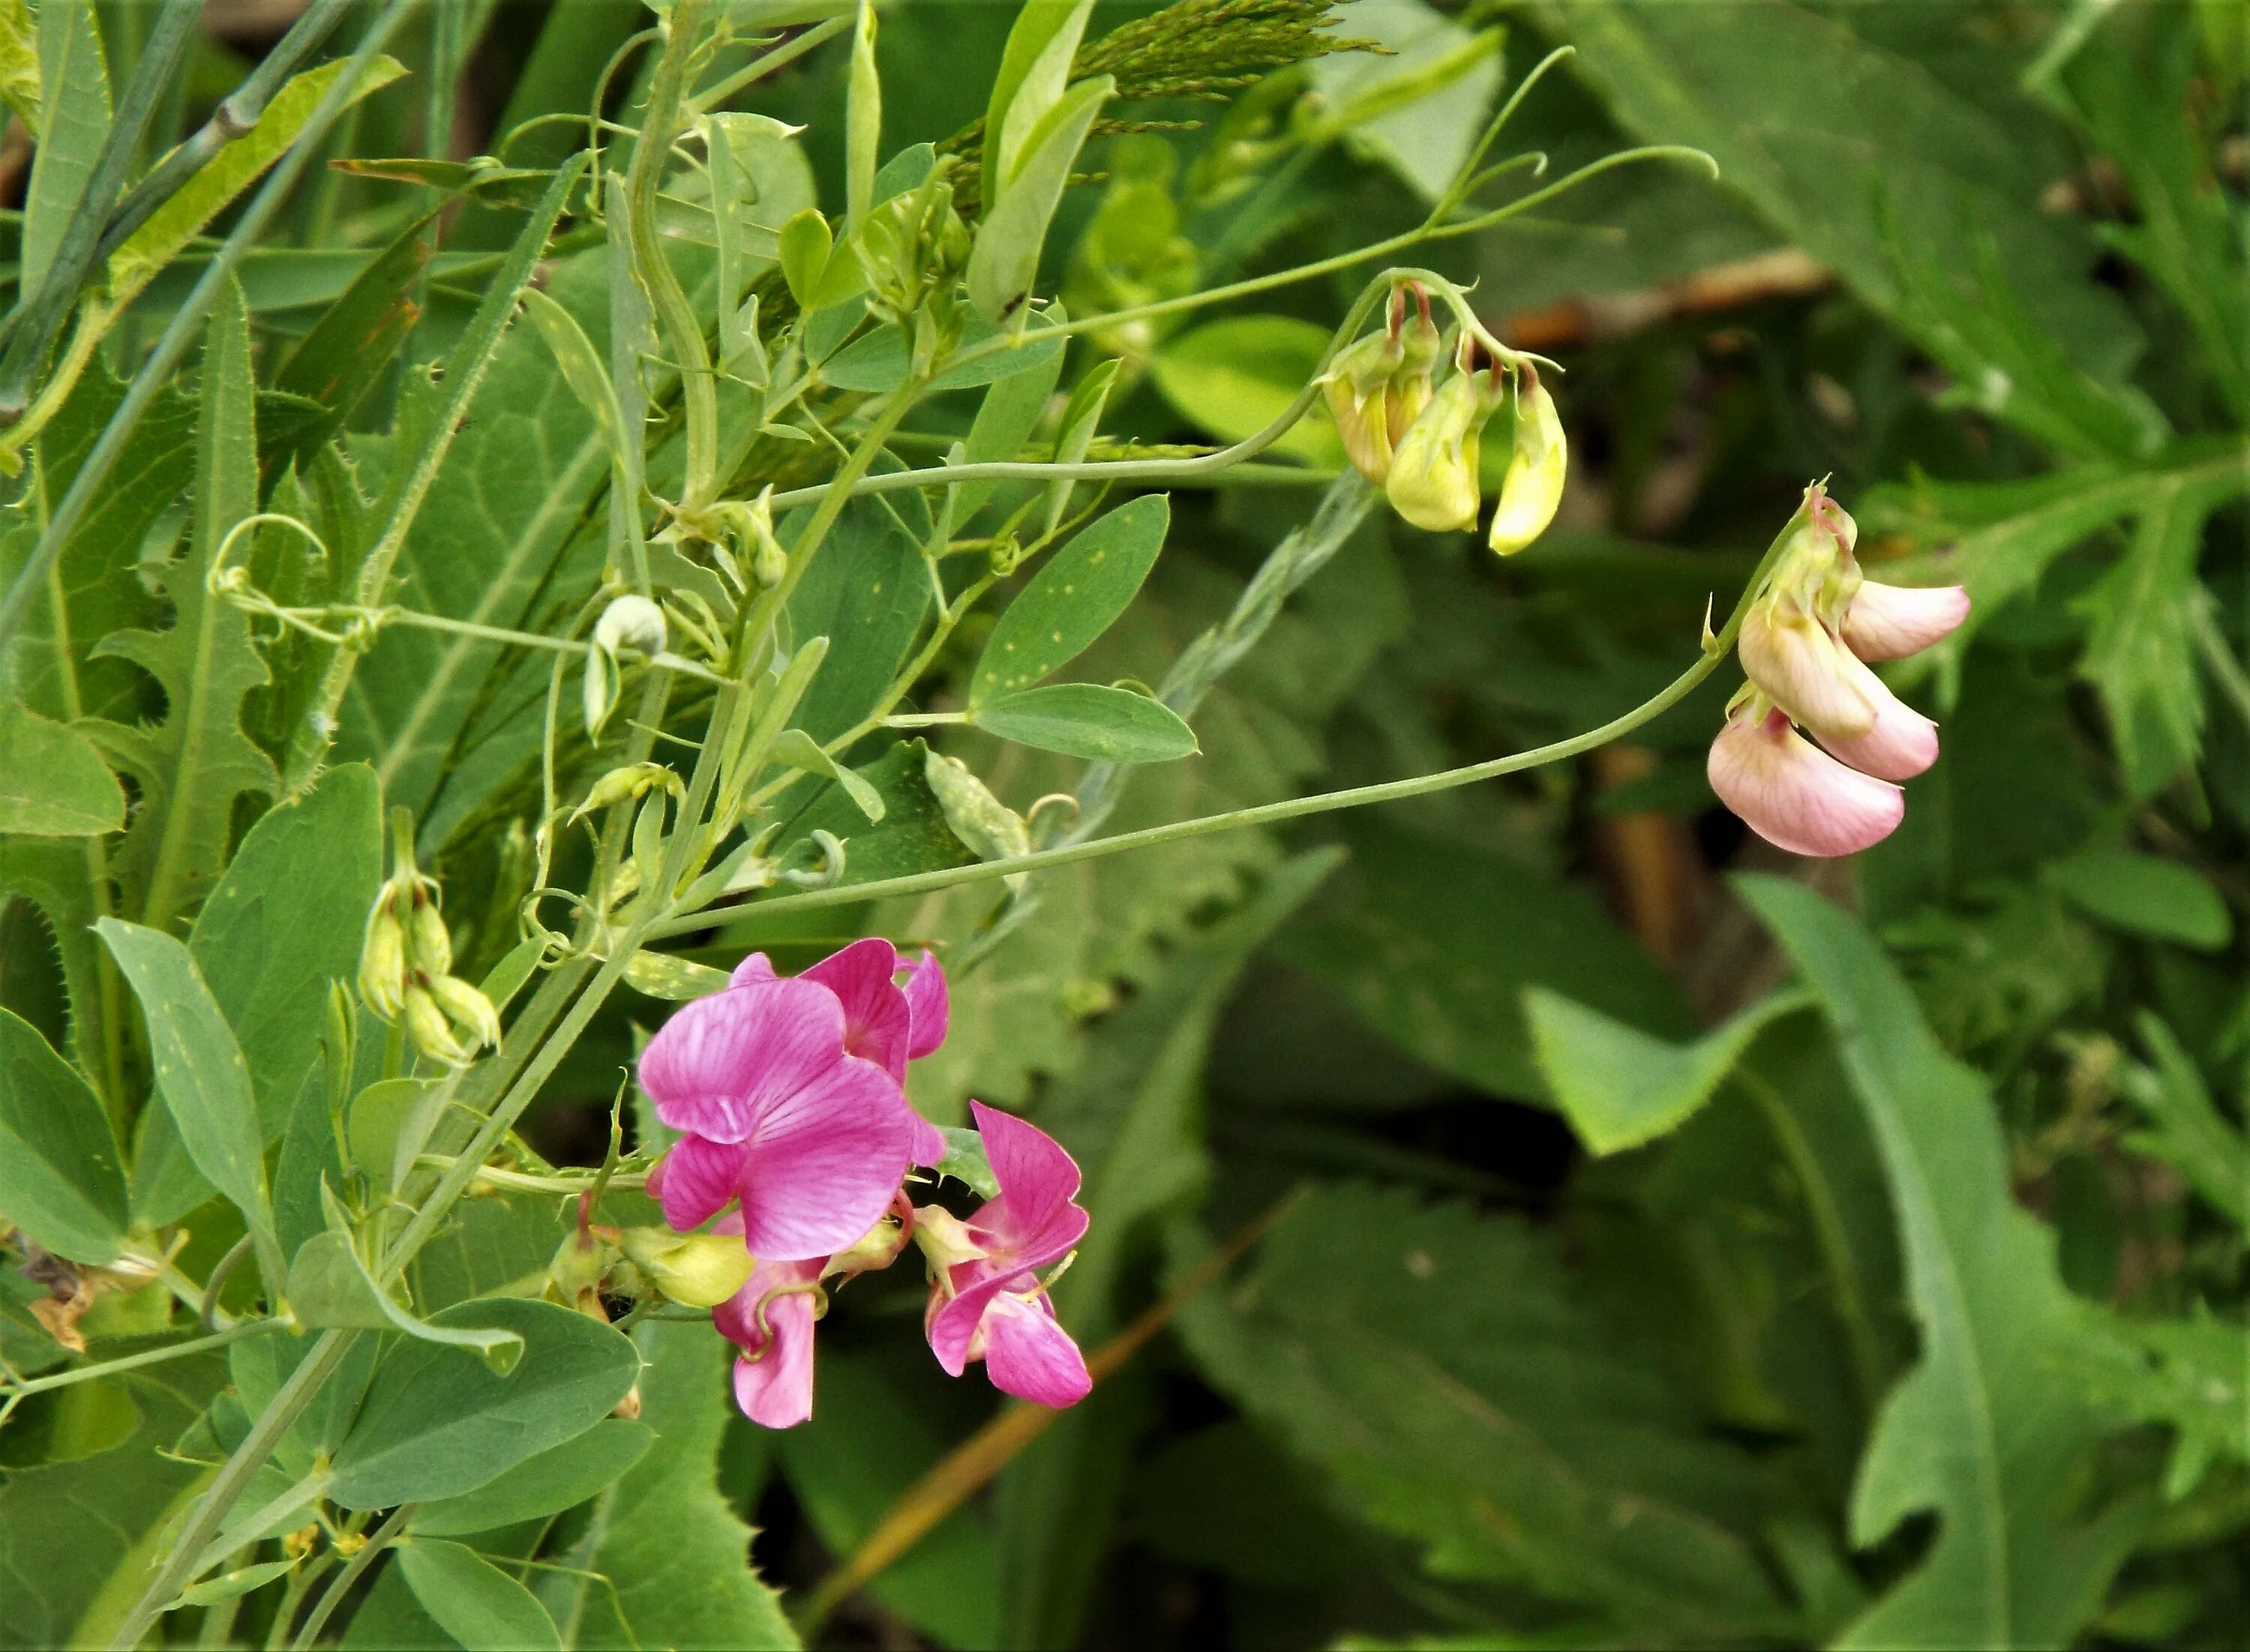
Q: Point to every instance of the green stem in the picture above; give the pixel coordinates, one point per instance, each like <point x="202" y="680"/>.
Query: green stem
<point x="355" y="1569"/>
<point x="135" y="1361"/>
<point x="2218" y="659"/>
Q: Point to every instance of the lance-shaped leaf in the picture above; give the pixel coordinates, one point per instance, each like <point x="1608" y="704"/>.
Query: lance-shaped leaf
<point x="1005" y="259"/>
<point x="472" y="1599"/>
<point x="1991" y="1431"/>
<point x="1086" y="719"/>
<point x="558" y="1478"/>
<point x="52" y="780"/>
<point x="800" y="751"/>
<point x="1034" y="68"/>
<point x="1074" y="599"/>
<point x="583" y="373"/>
<point x="200" y="1072"/>
<point x="72" y="87"/>
<point x="61" y="1179"/>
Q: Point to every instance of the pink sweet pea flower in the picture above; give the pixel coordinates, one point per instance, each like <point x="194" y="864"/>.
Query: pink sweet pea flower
<point x="987" y="1301"/>
<point x="770" y="1320"/>
<point x="1890" y="622"/>
<point x="812" y="1140"/>
<point x="1794" y="795"/>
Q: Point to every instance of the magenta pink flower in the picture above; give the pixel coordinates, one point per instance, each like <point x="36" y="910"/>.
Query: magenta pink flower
<point x="777" y="1111"/>
<point x="987" y="1301"/>
<point x="1794" y="795"/>
<point x="770" y="1320"/>
<point x="1890" y="622"/>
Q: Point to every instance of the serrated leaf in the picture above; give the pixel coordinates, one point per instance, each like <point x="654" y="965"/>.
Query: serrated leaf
<point x="52" y="780"/>
<point x="437" y="1422"/>
<point x="1987" y="1432"/>
<point x="1086" y="719"/>
<point x="1072" y="600"/>
<point x="199" y="1070"/>
<point x="2186" y="1130"/>
<point x="61" y="1179"/>
<point x="472" y="1599"/>
<point x="676" y="1553"/>
<point x="197" y="762"/>
<point x="1618" y="1086"/>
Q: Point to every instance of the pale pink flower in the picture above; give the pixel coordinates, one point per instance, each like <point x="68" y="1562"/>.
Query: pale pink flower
<point x="987" y="1301"/>
<point x="1804" y="671"/>
<point x="770" y="1320"/>
<point x="1901" y="744"/>
<point x="1890" y="622"/>
<point x="1794" y="795"/>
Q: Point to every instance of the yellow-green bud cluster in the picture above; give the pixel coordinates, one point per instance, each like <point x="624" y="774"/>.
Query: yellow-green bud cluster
<point x="1379" y="386"/>
<point x="405" y="973"/>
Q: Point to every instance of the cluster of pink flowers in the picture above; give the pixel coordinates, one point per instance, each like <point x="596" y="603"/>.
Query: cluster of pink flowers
<point x="1804" y="646"/>
<point x="789" y="1094"/>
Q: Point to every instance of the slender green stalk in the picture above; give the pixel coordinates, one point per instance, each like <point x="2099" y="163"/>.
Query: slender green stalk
<point x="135" y="1361"/>
<point x="355" y="1569"/>
<point x="781" y="56"/>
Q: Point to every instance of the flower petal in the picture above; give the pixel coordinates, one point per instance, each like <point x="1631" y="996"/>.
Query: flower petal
<point x="877" y="1022"/>
<point x="1890" y="622"/>
<point x="1795" y="796"/>
<point x="927" y="999"/>
<point x="930" y="1143"/>
<point x="737" y="1319"/>
<point x="1027" y="1353"/>
<point x="1802" y="670"/>
<point x="1032" y="1221"/>
<point x="697" y="1179"/>
<point x="952" y="1328"/>
<point x="824" y="1162"/>
<point x="1902" y="743"/>
<point x="773" y="1381"/>
<point x="721" y="1061"/>
<point x="753" y="971"/>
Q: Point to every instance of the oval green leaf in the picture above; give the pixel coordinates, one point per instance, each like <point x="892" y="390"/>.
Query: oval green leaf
<point x="439" y="1423"/>
<point x="1085" y="719"/>
<point x="1234" y="377"/>
<point x="558" y="1478"/>
<point x="1074" y="598"/>
<point x="474" y="1600"/>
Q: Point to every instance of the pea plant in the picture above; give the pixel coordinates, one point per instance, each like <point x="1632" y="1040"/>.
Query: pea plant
<point x="448" y="594"/>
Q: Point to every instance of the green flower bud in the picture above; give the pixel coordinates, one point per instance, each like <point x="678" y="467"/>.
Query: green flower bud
<point x="383" y="961"/>
<point x="1420" y="341"/>
<point x="471" y="1011"/>
<point x="1357" y="385"/>
<point x="429" y="944"/>
<point x="630" y="622"/>
<point x="427" y="1026"/>
<point x="697" y="1270"/>
<point x="1535" y="471"/>
<point x="1433" y="472"/>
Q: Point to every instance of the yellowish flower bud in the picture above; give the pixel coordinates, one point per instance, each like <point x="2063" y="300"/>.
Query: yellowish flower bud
<point x="1536" y="471"/>
<point x="1358" y="389"/>
<point x="429" y="944"/>
<point x="382" y="961"/>
<point x="472" y="1013"/>
<point x="699" y="1269"/>
<point x="427" y="1026"/>
<point x="1420" y="341"/>
<point x="1433" y="471"/>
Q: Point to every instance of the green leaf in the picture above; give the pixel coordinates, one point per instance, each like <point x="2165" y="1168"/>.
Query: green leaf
<point x="2146" y="895"/>
<point x="2186" y="1374"/>
<point x="1012" y="409"/>
<point x="2187" y="1130"/>
<point x="199" y="1070"/>
<point x="1618" y="1086"/>
<point x="75" y="121"/>
<point x="1456" y="1387"/>
<point x="867" y="592"/>
<point x="806" y="246"/>
<point x="345" y="352"/>
<point x="61" y="1179"/>
<point x="1987" y="1432"/>
<point x="800" y="751"/>
<point x="52" y="780"/>
<point x="19" y="62"/>
<point x="863" y="121"/>
<point x="229" y="1585"/>
<point x="197" y="762"/>
<point x="332" y="1288"/>
<point x="1072" y="600"/>
<point x="2140" y="646"/>
<point x="676" y="1552"/>
<point x="965" y="1161"/>
<point x="472" y="1599"/>
<point x="1034" y="68"/>
<point x="1085" y="719"/>
<point x="1419" y="107"/>
<point x="560" y="1477"/>
<point x="437" y="1422"/>
<point x="914" y="835"/>
<point x="588" y="379"/>
<point x="1005" y="259"/>
<point x="168" y="230"/>
<point x="1235" y="377"/>
<point x="1434" y="941"/>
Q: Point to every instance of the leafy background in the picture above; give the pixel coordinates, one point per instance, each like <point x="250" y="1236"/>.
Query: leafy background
<point x="1651" y="1241"/>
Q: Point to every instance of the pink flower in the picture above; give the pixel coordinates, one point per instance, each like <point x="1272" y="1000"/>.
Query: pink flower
<point x="1794" y="795"/>
<point x="1901" y="744"/>
<point x="987" y="1301"/>
<point x="1890" y="622"/>
<point x="770" y="1320"/>
<point x="1805" y="672"/>
<point x="778" y="1113"/>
